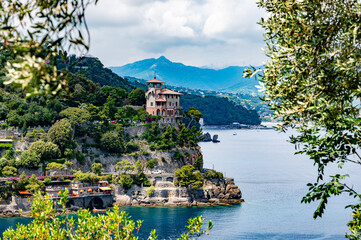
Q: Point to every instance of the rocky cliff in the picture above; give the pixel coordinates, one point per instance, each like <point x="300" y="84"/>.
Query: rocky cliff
<point x="165" y="193"/>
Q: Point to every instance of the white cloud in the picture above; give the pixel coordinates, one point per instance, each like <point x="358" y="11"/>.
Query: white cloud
<point x="202" y="32"/>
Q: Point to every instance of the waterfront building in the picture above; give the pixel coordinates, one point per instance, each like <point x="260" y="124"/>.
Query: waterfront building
<point x="163" y="102"/>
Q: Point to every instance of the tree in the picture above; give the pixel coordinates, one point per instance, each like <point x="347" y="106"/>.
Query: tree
<point x="29" y="159"/>
<point x="124" y="165"/>
<point x="97" y="168"/>
<point x="194" y="115"/>
<point x="312" y="83"/>
<point x="137" y="97"/>
<point x="34" y="184"/>
<point x="126" y="180"/>
<point x="9" y="171"/>
<point x="76" y="116"/>
<point x="115" y="224"/>
<point x="45" y="150"/>
<point x="54" y="166"/>
<point x="111" y="142"/>
<point x="186" y="176"/>
<point x="24" y="130"/>
<point x="61" y="134"/>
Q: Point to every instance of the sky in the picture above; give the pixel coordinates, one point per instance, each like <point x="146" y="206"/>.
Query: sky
<point x="202" y="33"/>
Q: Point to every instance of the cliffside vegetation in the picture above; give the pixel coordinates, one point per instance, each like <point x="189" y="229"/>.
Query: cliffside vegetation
<point x="220" y="111"/>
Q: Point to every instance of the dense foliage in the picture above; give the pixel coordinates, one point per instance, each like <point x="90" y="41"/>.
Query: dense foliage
<point x="171" y="136"/>
<point x="220" y="111"/>
<point x="188" y="176"/>
<point x="312" y="82"/>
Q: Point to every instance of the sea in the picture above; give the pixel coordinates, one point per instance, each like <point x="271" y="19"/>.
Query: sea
<point x="272" y="180"/>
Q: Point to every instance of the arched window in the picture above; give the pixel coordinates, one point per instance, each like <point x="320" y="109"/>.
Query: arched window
<point x="158" y="112"/>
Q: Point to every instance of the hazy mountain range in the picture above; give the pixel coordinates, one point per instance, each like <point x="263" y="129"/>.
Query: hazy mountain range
<point x="177" y="74"/>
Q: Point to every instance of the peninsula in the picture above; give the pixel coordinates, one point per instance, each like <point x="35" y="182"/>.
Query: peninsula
<point x="106" y="146"/>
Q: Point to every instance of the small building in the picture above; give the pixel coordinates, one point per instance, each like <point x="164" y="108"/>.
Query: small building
<point x="163" y="102"/>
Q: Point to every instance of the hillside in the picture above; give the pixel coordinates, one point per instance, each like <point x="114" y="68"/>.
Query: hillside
<point x="220" y="111"/>
<point x="93" y="69"/>
<point x="180" y="75"/>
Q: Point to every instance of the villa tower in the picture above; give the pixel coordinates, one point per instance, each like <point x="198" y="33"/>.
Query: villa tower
<point x="163" y="102"/>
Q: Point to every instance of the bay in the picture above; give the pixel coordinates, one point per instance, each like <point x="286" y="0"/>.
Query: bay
<point x="272" y="180"/>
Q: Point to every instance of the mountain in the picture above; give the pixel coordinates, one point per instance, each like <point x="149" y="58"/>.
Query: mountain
<point x="179" y="75"/>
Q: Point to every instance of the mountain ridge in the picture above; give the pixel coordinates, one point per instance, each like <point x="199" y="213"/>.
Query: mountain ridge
<point x="180" y="75"/>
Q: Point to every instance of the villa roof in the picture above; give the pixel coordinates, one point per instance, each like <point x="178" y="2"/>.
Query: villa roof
<point x="154" y="81"/>
<point x="169" y="92"/>
<point x="160" y="100"/>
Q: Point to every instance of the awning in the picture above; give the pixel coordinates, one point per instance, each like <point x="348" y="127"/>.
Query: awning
<point x="25" y="192"/>
<point x="105" y="188"/>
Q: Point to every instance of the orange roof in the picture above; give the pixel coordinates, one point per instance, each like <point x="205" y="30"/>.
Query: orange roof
<point x="154" y="81"/>
<point x="25" y="192"/>
<point x="167" y="91"/>
<point x="160" y="100"/>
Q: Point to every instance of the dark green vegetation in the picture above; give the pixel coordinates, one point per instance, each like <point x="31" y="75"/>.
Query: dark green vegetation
<point x="93" y="69"/>
<point x="170" y="137"/>
<point x="220" y="111"/>
<point x="312" y="82"/>
<point x="179" y="75"/>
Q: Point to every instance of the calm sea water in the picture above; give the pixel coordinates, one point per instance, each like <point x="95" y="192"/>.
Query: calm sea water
<point x="273" y="181"/>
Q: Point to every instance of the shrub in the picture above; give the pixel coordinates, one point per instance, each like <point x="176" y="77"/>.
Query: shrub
<point x="9" y="171"/>
<point x="6" y="145"/>
<point x="124" y="165"/>
<point x="54" y="166"/>
<point x="187" y="177"/>
<point x="111" y="142"/>
<point x="140" y="179"/>
<point x="36" y="134"/>
<point x="97" y="168"/>
<point x="150" y="191"/>
<point x="177" y="155"/>
<point x="85" y="177"/>
<point x="132" y="147"/>
<point x="47" y="180"/>
<point x="211" y="174"/>
<point x="198" y="163"/>
<point x="29" y="160"/>
<point x="126" y="181"/>
<point x="145" y="153"/>
<point x="80" y="158"/>
<point x="152" y="147"/>
<point x="9" y="154"/>
<point x="151" y="163"/>
<point x="138" y="166"/>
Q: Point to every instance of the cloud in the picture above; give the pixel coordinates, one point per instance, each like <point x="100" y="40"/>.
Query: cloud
<point x="202" y="32"/>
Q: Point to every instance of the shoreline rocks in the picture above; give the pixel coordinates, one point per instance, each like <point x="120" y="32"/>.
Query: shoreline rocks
<point x="215" y="192"/>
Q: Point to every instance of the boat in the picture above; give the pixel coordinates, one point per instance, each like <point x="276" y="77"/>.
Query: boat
<point x="234" y="133"/>
<point x="99" y="210"/>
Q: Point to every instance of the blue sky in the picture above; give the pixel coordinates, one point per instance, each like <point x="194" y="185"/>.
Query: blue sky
<point x="213" y="33"/>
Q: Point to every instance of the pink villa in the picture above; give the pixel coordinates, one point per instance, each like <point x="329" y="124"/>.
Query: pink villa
<point x="163" y="102"/>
